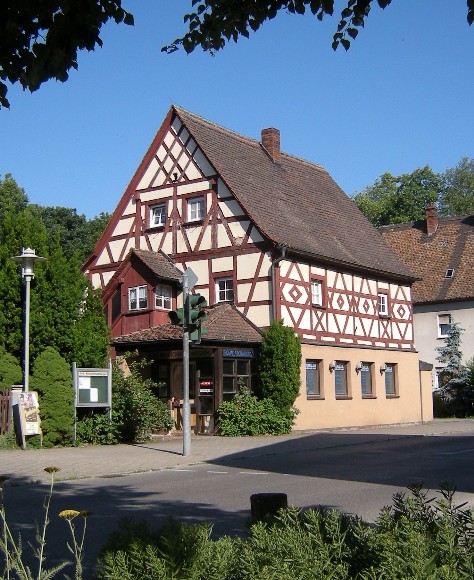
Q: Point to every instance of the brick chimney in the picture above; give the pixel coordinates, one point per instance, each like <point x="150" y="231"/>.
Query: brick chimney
<point x="271" y="142"/>
<point x="431" y="219"/>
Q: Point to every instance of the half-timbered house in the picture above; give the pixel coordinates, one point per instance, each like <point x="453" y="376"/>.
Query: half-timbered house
<point x="269" y="236"/>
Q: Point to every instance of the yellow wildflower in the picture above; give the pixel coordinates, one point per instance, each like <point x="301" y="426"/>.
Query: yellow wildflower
<point x="69" y="514"/>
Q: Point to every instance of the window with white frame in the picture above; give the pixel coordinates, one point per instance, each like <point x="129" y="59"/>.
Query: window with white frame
<point x="225" y="290"/>
<point x="316" y="293"/>
<point x="195" y="209"/>
<point x="137" y="298"/>
<point x="313" y="387"/>
<point x="390" y="379"/>
<point x="382" y="302"/>
<point x="444" y="325"/>
<point x="163" y="296"/>
<point x="158" y="215"/>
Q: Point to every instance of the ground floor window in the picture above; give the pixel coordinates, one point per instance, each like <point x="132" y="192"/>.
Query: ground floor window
<point x="340" y="378"/>
<point x="313" y="386"/>
<point x="390" y="379"/>
<point x="366" y="379"/>
<point x="236" y="375"/>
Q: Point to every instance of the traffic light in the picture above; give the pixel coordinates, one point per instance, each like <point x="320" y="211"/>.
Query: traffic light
<point x="177" y="317"/>
<point x="195" y="316"/>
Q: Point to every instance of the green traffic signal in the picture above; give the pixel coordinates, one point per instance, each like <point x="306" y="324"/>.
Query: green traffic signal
<point x="177" y="316"/>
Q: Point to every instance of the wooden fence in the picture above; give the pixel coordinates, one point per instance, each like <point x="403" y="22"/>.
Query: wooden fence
<point x="5" y="412"/>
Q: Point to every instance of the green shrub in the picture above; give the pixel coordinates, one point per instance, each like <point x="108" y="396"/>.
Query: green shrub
<point x="52" y="380"/>
<point x="280" y="365"/>
<point x="10" y="370"/>
<point x="417" y="538"/>
<point x="247" y="415"/>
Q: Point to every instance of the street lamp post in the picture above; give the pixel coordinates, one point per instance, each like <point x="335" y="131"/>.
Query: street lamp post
<point x="27" y="258"/>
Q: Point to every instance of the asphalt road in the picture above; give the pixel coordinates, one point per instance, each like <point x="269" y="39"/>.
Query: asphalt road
<point x="359" y="478"/>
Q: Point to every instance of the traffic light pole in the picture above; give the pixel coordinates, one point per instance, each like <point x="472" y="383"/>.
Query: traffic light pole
<point x="186" y="405"/>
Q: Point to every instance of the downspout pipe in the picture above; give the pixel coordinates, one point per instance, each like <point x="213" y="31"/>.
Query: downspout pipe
<point x="276" y="264"/>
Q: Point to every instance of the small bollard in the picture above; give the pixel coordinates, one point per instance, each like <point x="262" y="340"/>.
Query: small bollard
<point x="263" y="505"/>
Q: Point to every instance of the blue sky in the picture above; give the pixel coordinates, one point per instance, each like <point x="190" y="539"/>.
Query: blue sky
<point x="401" y="98"/>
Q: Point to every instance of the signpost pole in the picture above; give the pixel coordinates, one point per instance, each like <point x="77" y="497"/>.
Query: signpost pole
<point x="186" y="405"/>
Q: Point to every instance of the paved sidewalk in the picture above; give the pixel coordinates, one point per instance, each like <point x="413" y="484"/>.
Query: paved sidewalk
<point x="23" y="467"/>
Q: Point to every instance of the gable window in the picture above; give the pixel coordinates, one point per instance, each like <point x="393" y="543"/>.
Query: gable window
<point x="137" y="298"/>
<point x="313" y="387"/>
<point x="225" y="290"/>
<point x="340" y="378"/>
<point x="163" y="296"/>
<point x="382" y="303"/>
<point x="316" y="293"/>
<point x="449" y="273"/>
<point x="158" y="215"/>
<point x="366" y="379"/>
<point x="195" y="209"/>
<point x="444" y="325"/>
<point x="390" y="380"/>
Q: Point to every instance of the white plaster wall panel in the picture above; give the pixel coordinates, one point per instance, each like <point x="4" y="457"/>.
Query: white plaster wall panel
<point x="238" y="229"/>
<point x="261" y="291"/>
<point x="130" y="208"/>
<point x="284" y="267"/>
<point x="341" y="302"/>
<point x="115" y="249"/>
<point x="231" y="208"/>
<point x="328" y="339"/>
<point x="193" y="235"/>
<point x="357" y="283"/>
<point x="103" y="258"/>
<point x="107" y="276"/>
<point x="331" y="324"/>
<point x="247" y="265"/>
<point x="167" y="245"/>
<point x="368" y="327"/>
<point x="305" y="323"/>
<point x="350" y="326"/>
<point x="149" y="174"/>
<point x="266" y="266"/>
<point x="364" y="342"/>
<point x="331" y="275"/>
<point x="192" y="172"/>
<point x="303" y="272"/>
<point x="95" y="280"/>
<point x="316" y="271"/>
<point x="168" y="164"/>
<point x="244" y="291"/>
<point x="341" y="321"/>
<point x="375" y="331"/>
<point x="157" y="195"/>
<point x="176" y="149"/>
<point x="200" y="268"/>
<point x="159" y="180"/>
<point x="223" y="240"/>
<point x="339" y="282"/>
<point x="348" y="282"/>
<point x="259" y="315"/>
<point x="206" y="242"/>
<point x="383" y="286"/>
<point x="372" y="286"/>
<point x="222" y="264"/>
<point x="196" y="187"/>
<point x="181" y="246"/>
<point x="123" y="226"/>
<point x="395" y="332"/>
<point x="203" y="163"/>
<point x="255" y="236"/>
<point x="347" y="340"/>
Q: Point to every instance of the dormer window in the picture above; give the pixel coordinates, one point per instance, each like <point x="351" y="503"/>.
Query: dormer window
<point x="163" y="296"/>
<point x="449" y="273"/>
<point x="158" y="215"/>
<point x="137" y="298"/>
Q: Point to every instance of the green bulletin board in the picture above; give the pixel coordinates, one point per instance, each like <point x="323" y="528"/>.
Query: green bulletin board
<point x="93" y="387"/>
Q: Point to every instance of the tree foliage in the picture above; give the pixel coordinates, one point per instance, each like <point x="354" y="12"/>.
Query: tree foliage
<point x="52" y="380"/>
<point x="279" y="365"/>
<point x="10" y="370"/>
<point x="398" y="199"/>
<point x="40" y="40"/>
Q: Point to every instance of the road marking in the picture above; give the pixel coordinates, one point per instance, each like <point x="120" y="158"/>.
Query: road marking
<point x="453" y="452"/>
<point x="254" y="472"/>
<point x="209" y="471"/>
<point x="183" y="470"/>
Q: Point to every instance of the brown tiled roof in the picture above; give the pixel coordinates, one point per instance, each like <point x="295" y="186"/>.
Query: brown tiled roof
<point x="297" y="204"/>
<point x="224" y="324"/>
<point x="159" y="263"/>
<point x="450" y="247"/>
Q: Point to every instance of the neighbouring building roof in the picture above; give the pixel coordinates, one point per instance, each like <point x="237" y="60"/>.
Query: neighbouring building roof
<point x="295" y="203"/>
<point x="443" y="258"/>
<point x="224" y="324"/>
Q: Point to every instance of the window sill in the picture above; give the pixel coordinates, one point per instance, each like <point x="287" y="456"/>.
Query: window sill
<point x="369" y="397"/>
<point x="319" y="306"/>
<point x="314" y="398"/>
<point x="343" y="398"/>
<point x="385" y="316"/>
<point x="392" y="396"/>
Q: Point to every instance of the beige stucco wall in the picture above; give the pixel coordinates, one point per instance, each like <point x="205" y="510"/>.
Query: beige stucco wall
<point x="412" y="404"/>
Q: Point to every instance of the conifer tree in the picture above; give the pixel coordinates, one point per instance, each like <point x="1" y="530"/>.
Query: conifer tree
<point x="280" y="361"/>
